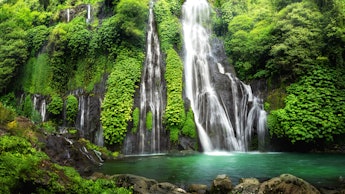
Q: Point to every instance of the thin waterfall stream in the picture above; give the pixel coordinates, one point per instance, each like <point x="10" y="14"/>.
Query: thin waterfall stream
<point x="219" y="127"/>
<point x="151" y="93"/>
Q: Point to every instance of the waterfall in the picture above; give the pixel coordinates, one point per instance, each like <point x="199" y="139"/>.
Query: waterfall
<point x="68" y="15"/>
<point x="88" y="19"/>
<point x="223" y="123"/>
<point x="151" y="93"/>
<point x="82" y="112"/>
<point x="43" y="110"/>
<point x="39" y="104"/>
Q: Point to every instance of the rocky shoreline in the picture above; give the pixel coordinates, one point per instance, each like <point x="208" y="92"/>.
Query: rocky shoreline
<point x="222" y="184"/>
<point x="67" y="150"/>
<point x="72" y="152"/>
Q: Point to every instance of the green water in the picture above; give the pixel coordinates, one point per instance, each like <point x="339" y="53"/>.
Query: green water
<point x="318" y="169"/>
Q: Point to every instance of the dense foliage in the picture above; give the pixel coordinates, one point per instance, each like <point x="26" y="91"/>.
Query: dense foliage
<point x="23" y="169"/>
<point x="174" y="116"/>
<point x="118" y="102"/>
<point x="297" y="46"/>
<point x="71" y="108"/>
<point x="315" y="108"/>
<point x="169" y="27"/>
<point x="56" y="104"/>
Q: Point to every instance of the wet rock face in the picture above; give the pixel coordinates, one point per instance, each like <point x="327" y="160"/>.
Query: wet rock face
<point x="287" y="183"/>
<point x="67" y="15"/>
<point x="67" y="152"/>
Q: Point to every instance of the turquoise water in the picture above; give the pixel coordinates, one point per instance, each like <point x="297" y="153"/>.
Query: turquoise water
<point x="318" y="169"/>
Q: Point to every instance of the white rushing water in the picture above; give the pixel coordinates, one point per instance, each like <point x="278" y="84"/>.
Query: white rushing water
<point x="88" y="19"/>
<point x="39" y="104"/>
<point x="151" y="95"/>
<point x="68" y="15"/>
<point x="219" y="127"/>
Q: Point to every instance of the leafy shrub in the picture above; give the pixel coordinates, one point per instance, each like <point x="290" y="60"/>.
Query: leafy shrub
<point x="169" y="27"/>
<point x="24" y="169"/>
<point x="315" y="108"/>
<point x="131" y="16"/>
<point x="136" y="119"/>
<point x="118" y="101"/>
<point x="71" y="108"/>
<point x="149" y="120"/>
<point x="27" y="106"/>
<point x="17" y="161"/>
<point x="174" y="116"/>
<point x="6" y="114"/>
<point x="56" y="105"/>
<point x="189" y="127"/>
<point x="36" y="117"/>
<point x="37" y="37"/>
<point x="174" y="134"/>
<point x="49" y="126"/>
<point x="79" y="43"/>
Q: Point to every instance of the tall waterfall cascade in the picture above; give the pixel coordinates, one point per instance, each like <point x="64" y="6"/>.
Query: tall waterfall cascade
<point x="225" y="124"/>
<point x="151" y="92"/>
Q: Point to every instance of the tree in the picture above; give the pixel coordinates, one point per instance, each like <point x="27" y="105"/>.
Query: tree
<point x="13" y="51"/>
<point x="131" y="17"/>
<point x="248" y="42"/>
<point x="297" y="40"/>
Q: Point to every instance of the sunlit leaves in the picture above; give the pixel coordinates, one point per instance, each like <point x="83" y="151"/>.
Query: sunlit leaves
<point x="298" y="40"/>
<point x="56" y="105"/>
<point x="314" y="108"/>
<point x="174" y="116"/>
<point x="169" y="27"/>
<point x="118" y="102"/>
<point x="71" y="108"/>
<point x="248" y="43"/>
<point x="131" y="16"/>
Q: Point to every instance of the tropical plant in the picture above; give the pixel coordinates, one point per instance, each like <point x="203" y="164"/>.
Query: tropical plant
<point x="314" y="108"/>
<point x="71" y="108"/>
<point x="118" y="101"/>
<point x="174" y="116"/>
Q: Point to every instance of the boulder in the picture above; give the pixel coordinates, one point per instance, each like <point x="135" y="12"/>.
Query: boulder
<point x="222" y="185"/>
<point x="287" y="183"/>
<point x="139" y="184"/>
<point x="166" y="188"/>
<point x="197" y="188"/>
<point x="247" y="186"/>
<point x="68" y="152"/>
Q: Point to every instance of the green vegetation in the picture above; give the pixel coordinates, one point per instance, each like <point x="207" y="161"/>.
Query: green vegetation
<point x="295" y="46"/>
<point x="169" y="28"/>
<point x="149" y="120"/>
<point x="118" y="101"/>
<point x="6" y="114"/>
<point x="174" y="116"/>
<point x="25" y="169"/>
<point x="136" y="119"/>
<point x="71" y="108"/>
<point x="56" y="105"/>
<point x="315" y="108"/>
<point x="189" y="128"/>
<point x="22" y="167"/>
